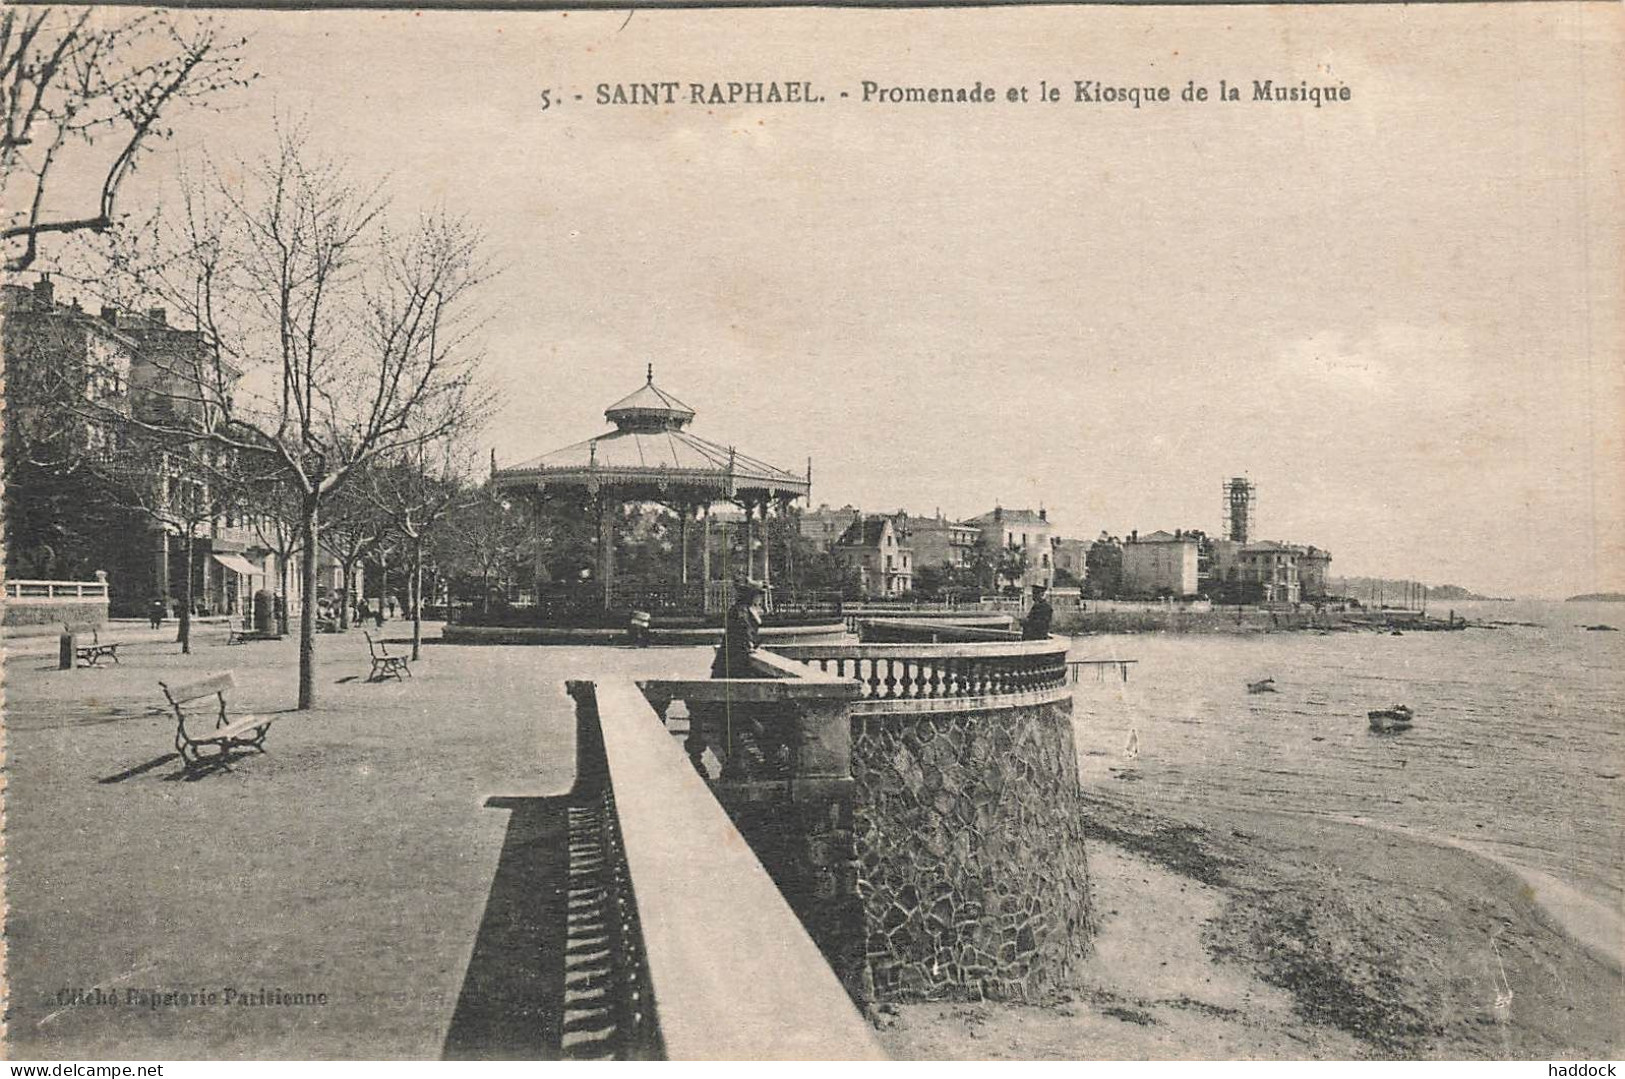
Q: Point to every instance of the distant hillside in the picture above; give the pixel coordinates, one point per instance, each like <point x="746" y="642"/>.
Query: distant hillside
<point x="1377" y="590"/>
<point x="1598" y="597"/>
<point x="1454" y="591"/>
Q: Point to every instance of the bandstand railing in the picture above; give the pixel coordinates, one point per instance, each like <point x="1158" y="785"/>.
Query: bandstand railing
<point x="658" y="598"/>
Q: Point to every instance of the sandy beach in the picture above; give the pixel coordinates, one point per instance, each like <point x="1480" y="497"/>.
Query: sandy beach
<point x="1280" y="936"/>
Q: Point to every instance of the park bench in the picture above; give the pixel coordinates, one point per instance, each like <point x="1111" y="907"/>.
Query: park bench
<point x="384" y="664"/>
<point x="91" y="654"/>
<point x="195" y="705"/>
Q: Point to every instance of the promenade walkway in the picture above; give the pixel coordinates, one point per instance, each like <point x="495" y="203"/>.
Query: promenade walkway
<point x="366" y="859"/>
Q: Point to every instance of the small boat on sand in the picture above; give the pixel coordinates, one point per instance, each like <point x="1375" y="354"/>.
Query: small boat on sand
<point x="1264" y="685"/>
<point x="1397" y="718"/>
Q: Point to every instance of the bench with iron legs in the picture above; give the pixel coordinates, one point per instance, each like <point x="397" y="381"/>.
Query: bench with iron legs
<point x="197" y="705"/>
<point x="91" y="654"/>
<point x="385" y="665"/>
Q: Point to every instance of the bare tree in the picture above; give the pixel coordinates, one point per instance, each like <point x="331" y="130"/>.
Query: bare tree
<point x="490" y="539"/>
<point x="182" y="489"/>
<point x="332" y="339"/>
<point x="351" y="530"/>
<point x="272" y="509"/>
<point x="417" y="490"/>
<point x="83" y="96"/>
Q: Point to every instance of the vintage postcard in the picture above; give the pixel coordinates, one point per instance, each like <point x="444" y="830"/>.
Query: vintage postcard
<point x="853" y="532"/>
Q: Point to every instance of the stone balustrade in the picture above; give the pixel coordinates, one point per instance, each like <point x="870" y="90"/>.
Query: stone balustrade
<point x="56" y="589"/>
<point x="943" y="676"/>
<point x="710" y="961"/>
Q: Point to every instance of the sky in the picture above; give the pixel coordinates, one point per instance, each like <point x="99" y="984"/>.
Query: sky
<point x="1400" y="316"/>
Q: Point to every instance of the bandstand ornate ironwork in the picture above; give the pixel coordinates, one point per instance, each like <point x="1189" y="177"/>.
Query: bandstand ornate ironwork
<point x="652" y="457"/>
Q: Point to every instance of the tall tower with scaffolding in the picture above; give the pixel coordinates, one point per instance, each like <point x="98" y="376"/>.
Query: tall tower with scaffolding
<point x="1239" y="495"/>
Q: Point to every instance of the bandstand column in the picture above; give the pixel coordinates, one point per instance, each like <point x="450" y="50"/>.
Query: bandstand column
<point x="705" y="547"/>
<point x="682" y="539"/>
<point x="606" y="545"/>
<point x="538" y="551"/>
<point x="767" y="548"/>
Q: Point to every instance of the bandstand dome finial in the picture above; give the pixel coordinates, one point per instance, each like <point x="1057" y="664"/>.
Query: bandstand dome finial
<point x="649" y="408"/>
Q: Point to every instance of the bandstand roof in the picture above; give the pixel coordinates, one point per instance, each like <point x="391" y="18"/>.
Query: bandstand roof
<point x="650" y="451"/>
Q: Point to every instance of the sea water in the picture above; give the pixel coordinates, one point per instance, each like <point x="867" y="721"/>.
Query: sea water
<point x="1518" y="745"/>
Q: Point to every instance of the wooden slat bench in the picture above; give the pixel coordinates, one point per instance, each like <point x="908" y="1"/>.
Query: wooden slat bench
<point x="91" y="654"/>
<point x="199" y="702"/>
<point x="384" y="664"/>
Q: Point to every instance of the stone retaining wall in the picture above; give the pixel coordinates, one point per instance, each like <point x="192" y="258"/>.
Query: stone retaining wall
<point x="969" y="833"/>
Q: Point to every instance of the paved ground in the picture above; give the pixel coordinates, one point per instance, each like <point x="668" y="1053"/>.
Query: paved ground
<point x="357" y="858"/>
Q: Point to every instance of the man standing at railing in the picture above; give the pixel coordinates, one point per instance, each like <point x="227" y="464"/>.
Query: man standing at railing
<point x="741" y="632"/>
<point x="1035" y="627"/>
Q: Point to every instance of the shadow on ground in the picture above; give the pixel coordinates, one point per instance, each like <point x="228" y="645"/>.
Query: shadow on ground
<point x="538" y="983"/>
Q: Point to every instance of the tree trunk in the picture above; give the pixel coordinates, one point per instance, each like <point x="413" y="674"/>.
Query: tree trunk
<point x="185" y="633"/>
<point x="345" y="602"/>
<point x="309" y="529"/>
<point x="417" y="598"/>
<point x="282" y="586"/>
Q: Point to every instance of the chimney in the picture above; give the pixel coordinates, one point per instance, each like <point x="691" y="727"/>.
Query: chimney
<point x="1043" y="514"/>
<point x="998" y="514"/>
<point x="110" y="315"/>
<point x="45" y="290"/>
<point x="158" y="315"/>
<point x="1134" y="536"/>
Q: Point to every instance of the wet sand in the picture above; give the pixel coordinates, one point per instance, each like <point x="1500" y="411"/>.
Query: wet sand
<point x="1252" y="935"/>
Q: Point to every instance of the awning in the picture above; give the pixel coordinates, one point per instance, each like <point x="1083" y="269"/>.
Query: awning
<point x="238" y="564"/>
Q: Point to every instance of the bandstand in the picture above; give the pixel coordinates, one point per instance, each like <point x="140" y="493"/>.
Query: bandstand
<point x="651" y="457"/>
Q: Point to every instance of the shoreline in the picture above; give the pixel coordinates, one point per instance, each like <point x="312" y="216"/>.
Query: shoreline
<point x="1584" y="919"/>
<point x="1241" y="934"/>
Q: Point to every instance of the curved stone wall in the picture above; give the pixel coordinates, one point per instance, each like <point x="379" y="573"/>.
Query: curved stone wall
<point x="969" y="833"/>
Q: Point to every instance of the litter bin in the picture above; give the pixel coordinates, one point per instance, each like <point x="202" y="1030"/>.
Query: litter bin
<point x="264" y="612"/>
<point x="66" y="650"/>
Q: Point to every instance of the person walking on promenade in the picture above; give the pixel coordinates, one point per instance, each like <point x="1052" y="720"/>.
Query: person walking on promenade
<point x="1035" y="627"/>
<point x="156" y="611"/>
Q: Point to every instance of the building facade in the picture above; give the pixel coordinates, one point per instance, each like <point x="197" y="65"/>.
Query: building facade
<point x="1026" y="531"/>
<point x="824" y="526"/>
<point x="937" y="541"/>
<point x="1072" y="557"/>
<point x="1268" y="572"/>
<point x="76" y="504"/>
<point x="885" y="565"/>
<point x="1160" y="564"/>
<point x="1314" y="573"/>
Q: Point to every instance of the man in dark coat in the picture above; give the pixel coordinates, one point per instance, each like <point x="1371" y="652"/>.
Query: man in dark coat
<point x="741" y="631"/>
<point x="1035" y="627"/>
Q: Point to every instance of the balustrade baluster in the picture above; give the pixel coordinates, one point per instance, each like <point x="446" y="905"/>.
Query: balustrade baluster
<point x="933" y="686"/>
<point x="874" y="678"/>
<point x="891" y="678"/>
